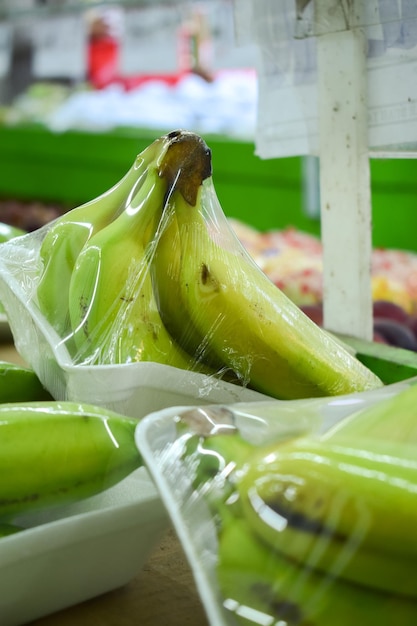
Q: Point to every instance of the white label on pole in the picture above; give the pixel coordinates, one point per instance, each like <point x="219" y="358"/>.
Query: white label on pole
<point x="287" y="74"/>
<point x="60" y="47"/>
<point x="149" y="43"/>
<point x="5" y="48"/>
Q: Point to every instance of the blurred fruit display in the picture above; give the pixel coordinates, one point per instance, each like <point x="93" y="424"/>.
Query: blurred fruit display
<point x="28" y="215"/>
<point x="293" y="261"/>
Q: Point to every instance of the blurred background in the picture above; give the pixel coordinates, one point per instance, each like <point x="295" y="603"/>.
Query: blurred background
<point x="122" y="73"/>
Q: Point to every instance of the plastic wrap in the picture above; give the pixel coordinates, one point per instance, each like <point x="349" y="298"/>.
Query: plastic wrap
<point x="149" y="286"/>
<point x="211" y="463"/>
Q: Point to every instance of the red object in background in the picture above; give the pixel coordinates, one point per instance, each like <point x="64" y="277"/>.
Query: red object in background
<point x="103" y="67"/>
<point x="103" y="62"/>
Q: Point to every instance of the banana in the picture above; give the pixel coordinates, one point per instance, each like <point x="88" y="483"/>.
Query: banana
<point x="346" y="508"/>
<point x="59" y="452"/>
<point x="167" y="257"/>
<point x="235" y="314"/>
<point x="113" y="312"/>
<point x="67" y="235"/>
<point x="263" y="587"/>
<point x="348" y="511"/>
<point x="165" y="267"/>
<point x="19" y="384"/>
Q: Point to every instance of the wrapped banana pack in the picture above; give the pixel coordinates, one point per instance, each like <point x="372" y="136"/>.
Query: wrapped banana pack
<point x="288" y="524"/>
<point x="152" y="272"/>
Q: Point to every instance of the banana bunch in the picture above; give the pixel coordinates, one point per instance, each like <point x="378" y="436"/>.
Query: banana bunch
<point x="95" y="286"/>
<point x="54" y="453"/>
<point x="152" y="271"/>
<point x="317" y="528"/>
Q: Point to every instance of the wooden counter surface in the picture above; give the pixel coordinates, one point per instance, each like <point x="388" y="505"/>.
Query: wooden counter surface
<point x="162" y="593"/>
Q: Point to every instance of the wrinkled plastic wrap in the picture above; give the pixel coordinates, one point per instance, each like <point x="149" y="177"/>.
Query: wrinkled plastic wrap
<point x="241" y="577"/>
<point x="145" y="297"/>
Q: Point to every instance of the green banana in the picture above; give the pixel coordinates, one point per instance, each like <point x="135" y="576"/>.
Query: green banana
<point x="167" y="255"/>
<point x="263" y="587"/>
<point x="348" y="511"/>
<point x="165" y="267"/>
<point x="20" y="384"/>
<point x="53" y="453"/>
<point x="67" y="235"/>
<point x="112" y="306"/>
<point x="235" y="315"/>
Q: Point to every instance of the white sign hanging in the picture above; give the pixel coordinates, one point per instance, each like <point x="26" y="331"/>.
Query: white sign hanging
<point x="287" y="73"/>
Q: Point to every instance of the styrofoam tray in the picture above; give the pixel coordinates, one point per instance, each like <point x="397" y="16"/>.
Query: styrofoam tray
<point x="160" y="446"/>
<point x="130" y="389"/>
<point x="80" y="551"/>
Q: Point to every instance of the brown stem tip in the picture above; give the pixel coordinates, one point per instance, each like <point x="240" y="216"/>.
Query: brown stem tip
<point x="186" y="163"/>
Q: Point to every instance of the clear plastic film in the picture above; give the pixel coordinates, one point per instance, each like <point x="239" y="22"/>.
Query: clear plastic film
<point x="294" y="513"/>
<point x="286" y="34"/>
<point x="152" y="273"/>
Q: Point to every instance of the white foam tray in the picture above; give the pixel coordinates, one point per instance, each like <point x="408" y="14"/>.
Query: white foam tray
<point x="80" y="551"/>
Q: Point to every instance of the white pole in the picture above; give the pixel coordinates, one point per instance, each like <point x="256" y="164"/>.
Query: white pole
<point x="345" y="196"/>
